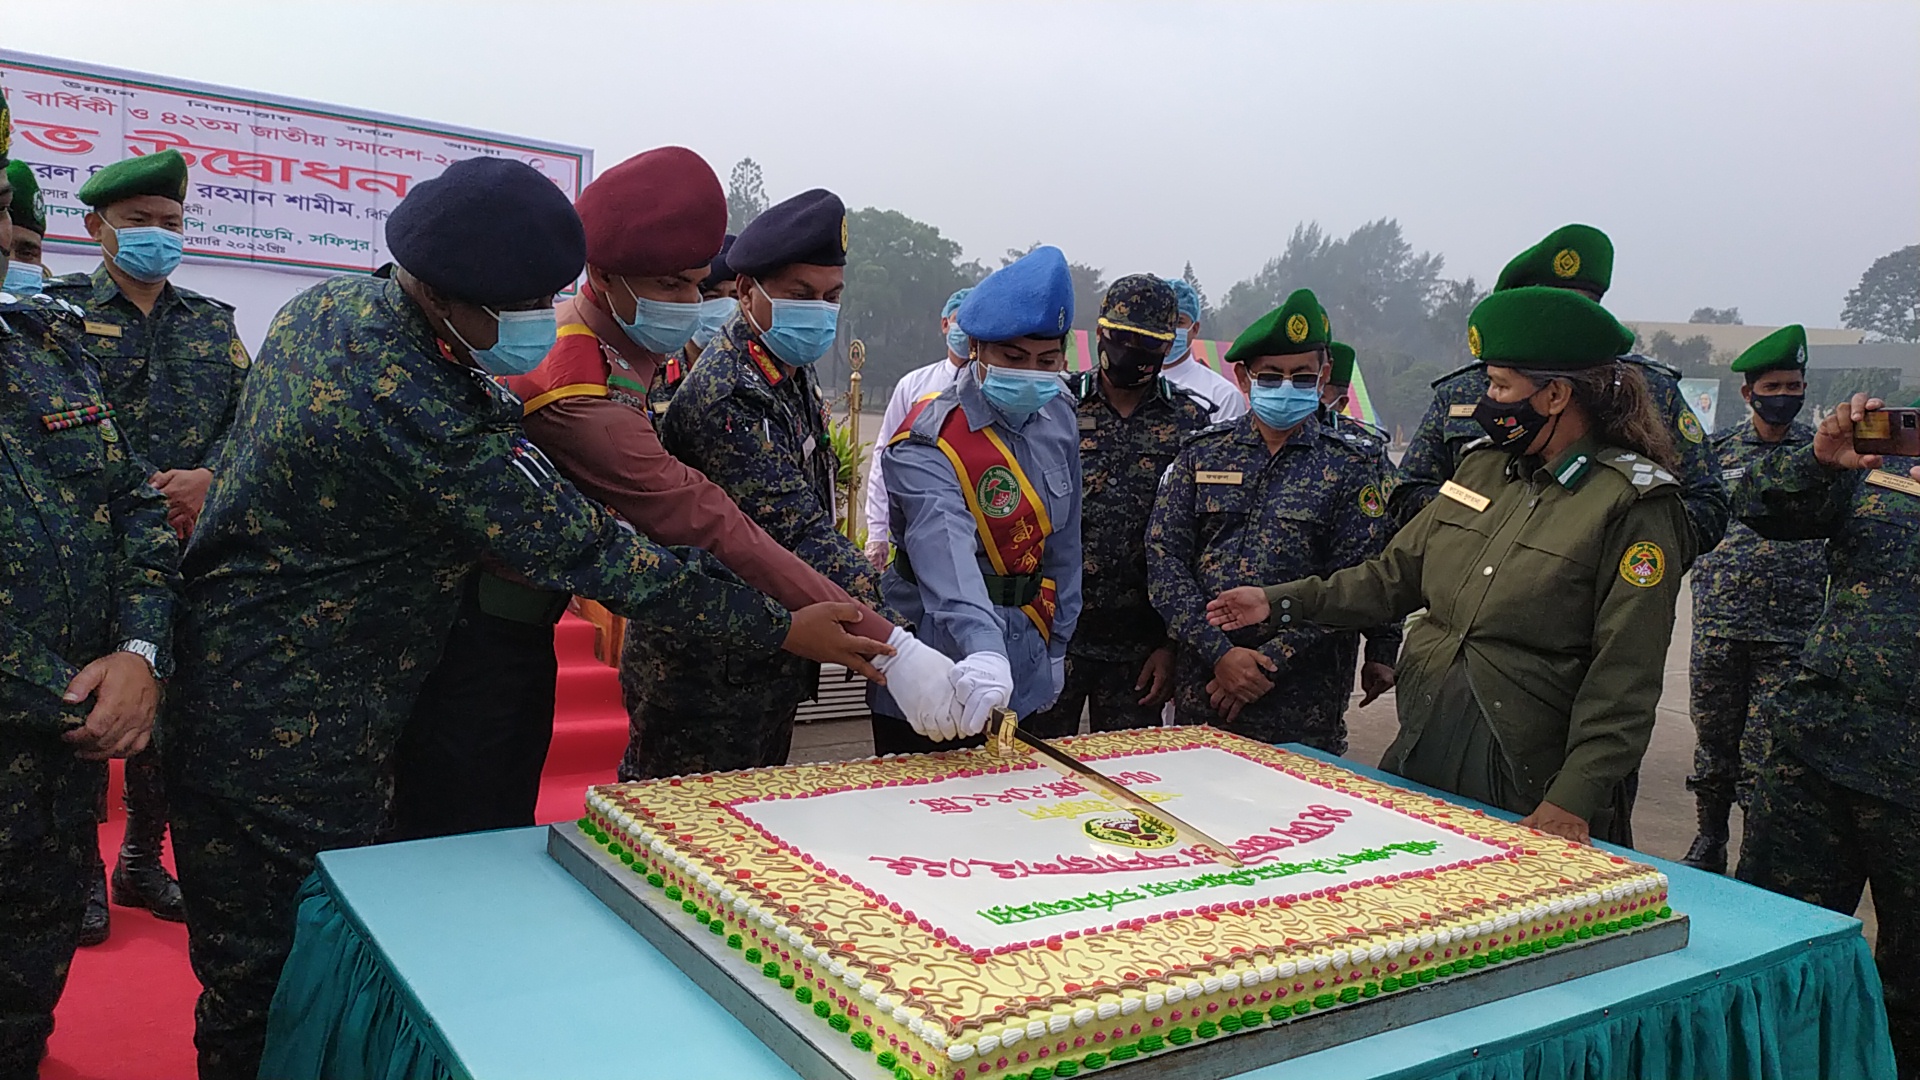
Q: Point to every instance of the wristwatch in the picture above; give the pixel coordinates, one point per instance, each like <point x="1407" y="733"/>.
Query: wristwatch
<point x="145" y="650"/>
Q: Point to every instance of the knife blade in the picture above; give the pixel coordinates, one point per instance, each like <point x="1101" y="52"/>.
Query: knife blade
<point x="1006" y="736"/>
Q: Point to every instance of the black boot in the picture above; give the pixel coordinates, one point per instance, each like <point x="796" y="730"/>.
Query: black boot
<point x="94" y="924"/>
<point x="138" y="878"/>
<point x="1709" y="850"/>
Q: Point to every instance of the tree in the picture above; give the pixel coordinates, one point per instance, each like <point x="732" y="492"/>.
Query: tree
<point x="1886" y="303"/>
<point x="1716" y="316"/>
<point x="1187" y="275"/>
<point x="1089" y="286"/>
<point x="899" y="274"/>
<point x="746" y="194"/>
<point x="1690" y="356"/>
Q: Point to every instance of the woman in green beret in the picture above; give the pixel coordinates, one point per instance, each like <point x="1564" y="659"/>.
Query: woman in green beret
<point x="1548" y="570"/>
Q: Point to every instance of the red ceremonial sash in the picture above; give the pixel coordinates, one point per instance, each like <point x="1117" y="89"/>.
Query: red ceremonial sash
<point x="1007" y="511"/>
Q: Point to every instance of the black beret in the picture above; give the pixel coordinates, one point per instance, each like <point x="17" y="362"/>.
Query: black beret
<point x="720" y="270"/>
<point x="488" y="231"/>
<point x="809" y="228"/>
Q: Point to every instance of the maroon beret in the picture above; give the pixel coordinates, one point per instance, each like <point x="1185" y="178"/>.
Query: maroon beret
<point x="660" y="212"/>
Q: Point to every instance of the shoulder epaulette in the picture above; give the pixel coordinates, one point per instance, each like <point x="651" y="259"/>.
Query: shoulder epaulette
<point x="1455" y="373"/>
<point x="202" y="298"/>
<point x="1208" y="432"/>
<point x="75" y="280"/>
<point x="1648" y="362"/>
<point x="1647" y="476"/>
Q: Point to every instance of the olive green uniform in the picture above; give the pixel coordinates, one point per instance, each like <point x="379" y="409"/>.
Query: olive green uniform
<point x="1550" y="591"/>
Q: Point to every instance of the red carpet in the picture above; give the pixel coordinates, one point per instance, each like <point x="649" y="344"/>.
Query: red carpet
<point x="128" y="1009"/>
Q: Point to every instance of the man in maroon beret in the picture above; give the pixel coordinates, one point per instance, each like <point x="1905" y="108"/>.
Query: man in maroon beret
<point x="473" y="750"/>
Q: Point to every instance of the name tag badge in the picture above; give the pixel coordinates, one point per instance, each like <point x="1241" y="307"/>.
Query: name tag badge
<point x="1460" y="412"/>
<point x="1734" y="473"/>
<point x="806" y="448"/>
<point x="1205" y="476"/>
<point x="1893" y="481"/>
<point x="1465" y="496"/>
<point x="1088" y="423"/>
<point x="102" y="329"/>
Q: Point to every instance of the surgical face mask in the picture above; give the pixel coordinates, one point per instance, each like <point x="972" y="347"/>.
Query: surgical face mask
<point x="23" y="279"/>
<point x="147" y="252"/>
<point x="957" y="341"/>
<point x="714" y="314"/>
<point x="1179" y="345"/>
<point x="525" y="339"/>
<point x="1776" y="409"/>
<point x="1284" y="405"/>
<point x="802" y="330"/>
<point x="1020" y="393"/>
<point x="658" y="326"/>
<point x="1511" y="425"/>
<point x="1128" y="367"/>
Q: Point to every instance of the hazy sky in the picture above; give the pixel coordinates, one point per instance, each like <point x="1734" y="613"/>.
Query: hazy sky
<point x="1749" y="154"/>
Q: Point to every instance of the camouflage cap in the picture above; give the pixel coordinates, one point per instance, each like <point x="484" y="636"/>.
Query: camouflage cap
<point x="1570" y="257"/>
<point x="163" y="174"/>
<point x="1297" y="326"/>
<point x="29" y="210"/>
<point x="1783" y="350"/>
<point x="1140" y="304"/>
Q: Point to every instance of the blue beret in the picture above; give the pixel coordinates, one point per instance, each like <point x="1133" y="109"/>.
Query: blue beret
<point x="953" y="302"/>
<point x="1187" y="298"/>
<point x="1030" y="297"/>
<point x="809" y="228"/>
<point x="488" y="231"/>
<point x="720" y="270"/>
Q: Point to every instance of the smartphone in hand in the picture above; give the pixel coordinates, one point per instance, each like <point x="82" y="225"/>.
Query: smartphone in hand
<point x="1894" y="432"/>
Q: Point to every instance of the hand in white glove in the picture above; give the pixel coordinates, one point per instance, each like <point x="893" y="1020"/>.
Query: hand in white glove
<point x="982" y="681"/>
<point x="877" y="554"/>
<point x="919" y="678"/>
<point x="1059" y="673"/>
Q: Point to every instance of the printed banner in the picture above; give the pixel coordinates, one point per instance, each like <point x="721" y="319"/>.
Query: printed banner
<point x="272" y="181"/>
<point x="1703" y="396"/>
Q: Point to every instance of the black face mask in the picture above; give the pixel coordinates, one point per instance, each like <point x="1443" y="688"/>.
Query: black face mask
<point x="1778" y="409"/>
<point x="1510" y="424"/>
<point x="1130" y="368"/>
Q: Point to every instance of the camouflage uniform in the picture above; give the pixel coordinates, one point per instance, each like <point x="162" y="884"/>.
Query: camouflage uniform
<point x="1230" y="514"/>
<point x="174" y="375"/>
<point x="762" y="437"/>
<point x="1382" y="642"/>
<point x="1121" y="459"/>
<point x="86" y="562"/>
<point x="1448" y="426"/>
<point x="1837" y="801"/>
<point x="366" y="474"/>
<point x="1754" y="601"/>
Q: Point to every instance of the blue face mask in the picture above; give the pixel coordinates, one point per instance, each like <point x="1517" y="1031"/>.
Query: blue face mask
<point x="149" y="253"/>
<point x="1179" y="345"/>
<point x="23" y="279"/>
<point x="525" y="339"/>
<point x="714" y="314"/>
<point x="1284" y="406"/>
<point x="957" y="341"/>
<point x="658" y="325"/>
<point x="802" y="330"/>
<point x="1020" y="393"/>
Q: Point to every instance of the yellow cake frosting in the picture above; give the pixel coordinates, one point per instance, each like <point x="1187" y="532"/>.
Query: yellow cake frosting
<point x="1053" y="988"/>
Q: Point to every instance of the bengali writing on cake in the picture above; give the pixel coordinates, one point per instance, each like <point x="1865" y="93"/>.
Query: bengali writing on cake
<point x="270" y="181"/>
<point x="989" y="856"/>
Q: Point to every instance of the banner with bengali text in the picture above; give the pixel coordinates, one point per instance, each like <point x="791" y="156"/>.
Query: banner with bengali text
<point x="273" y="181"/>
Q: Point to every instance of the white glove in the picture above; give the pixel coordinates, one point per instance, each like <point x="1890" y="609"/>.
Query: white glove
<point x="982" y="681"/>
<point x="877" y="554"/>
<point x="1059" y="673"/>
<point x="920" y="680"/>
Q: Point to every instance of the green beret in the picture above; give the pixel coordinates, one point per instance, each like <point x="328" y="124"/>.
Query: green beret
<point x="1342" y="355"/>
<point x="163" y="174"/>
<point x="1539" y="327"/>
<point x="1297" y="326"/>
<point x="1783" y="350"/>
<point x="29" y="210"/>
<point x="1572" y="256"/>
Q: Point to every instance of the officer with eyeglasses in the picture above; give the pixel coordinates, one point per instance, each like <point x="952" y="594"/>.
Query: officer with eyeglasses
<point x="1273" y="491"/>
